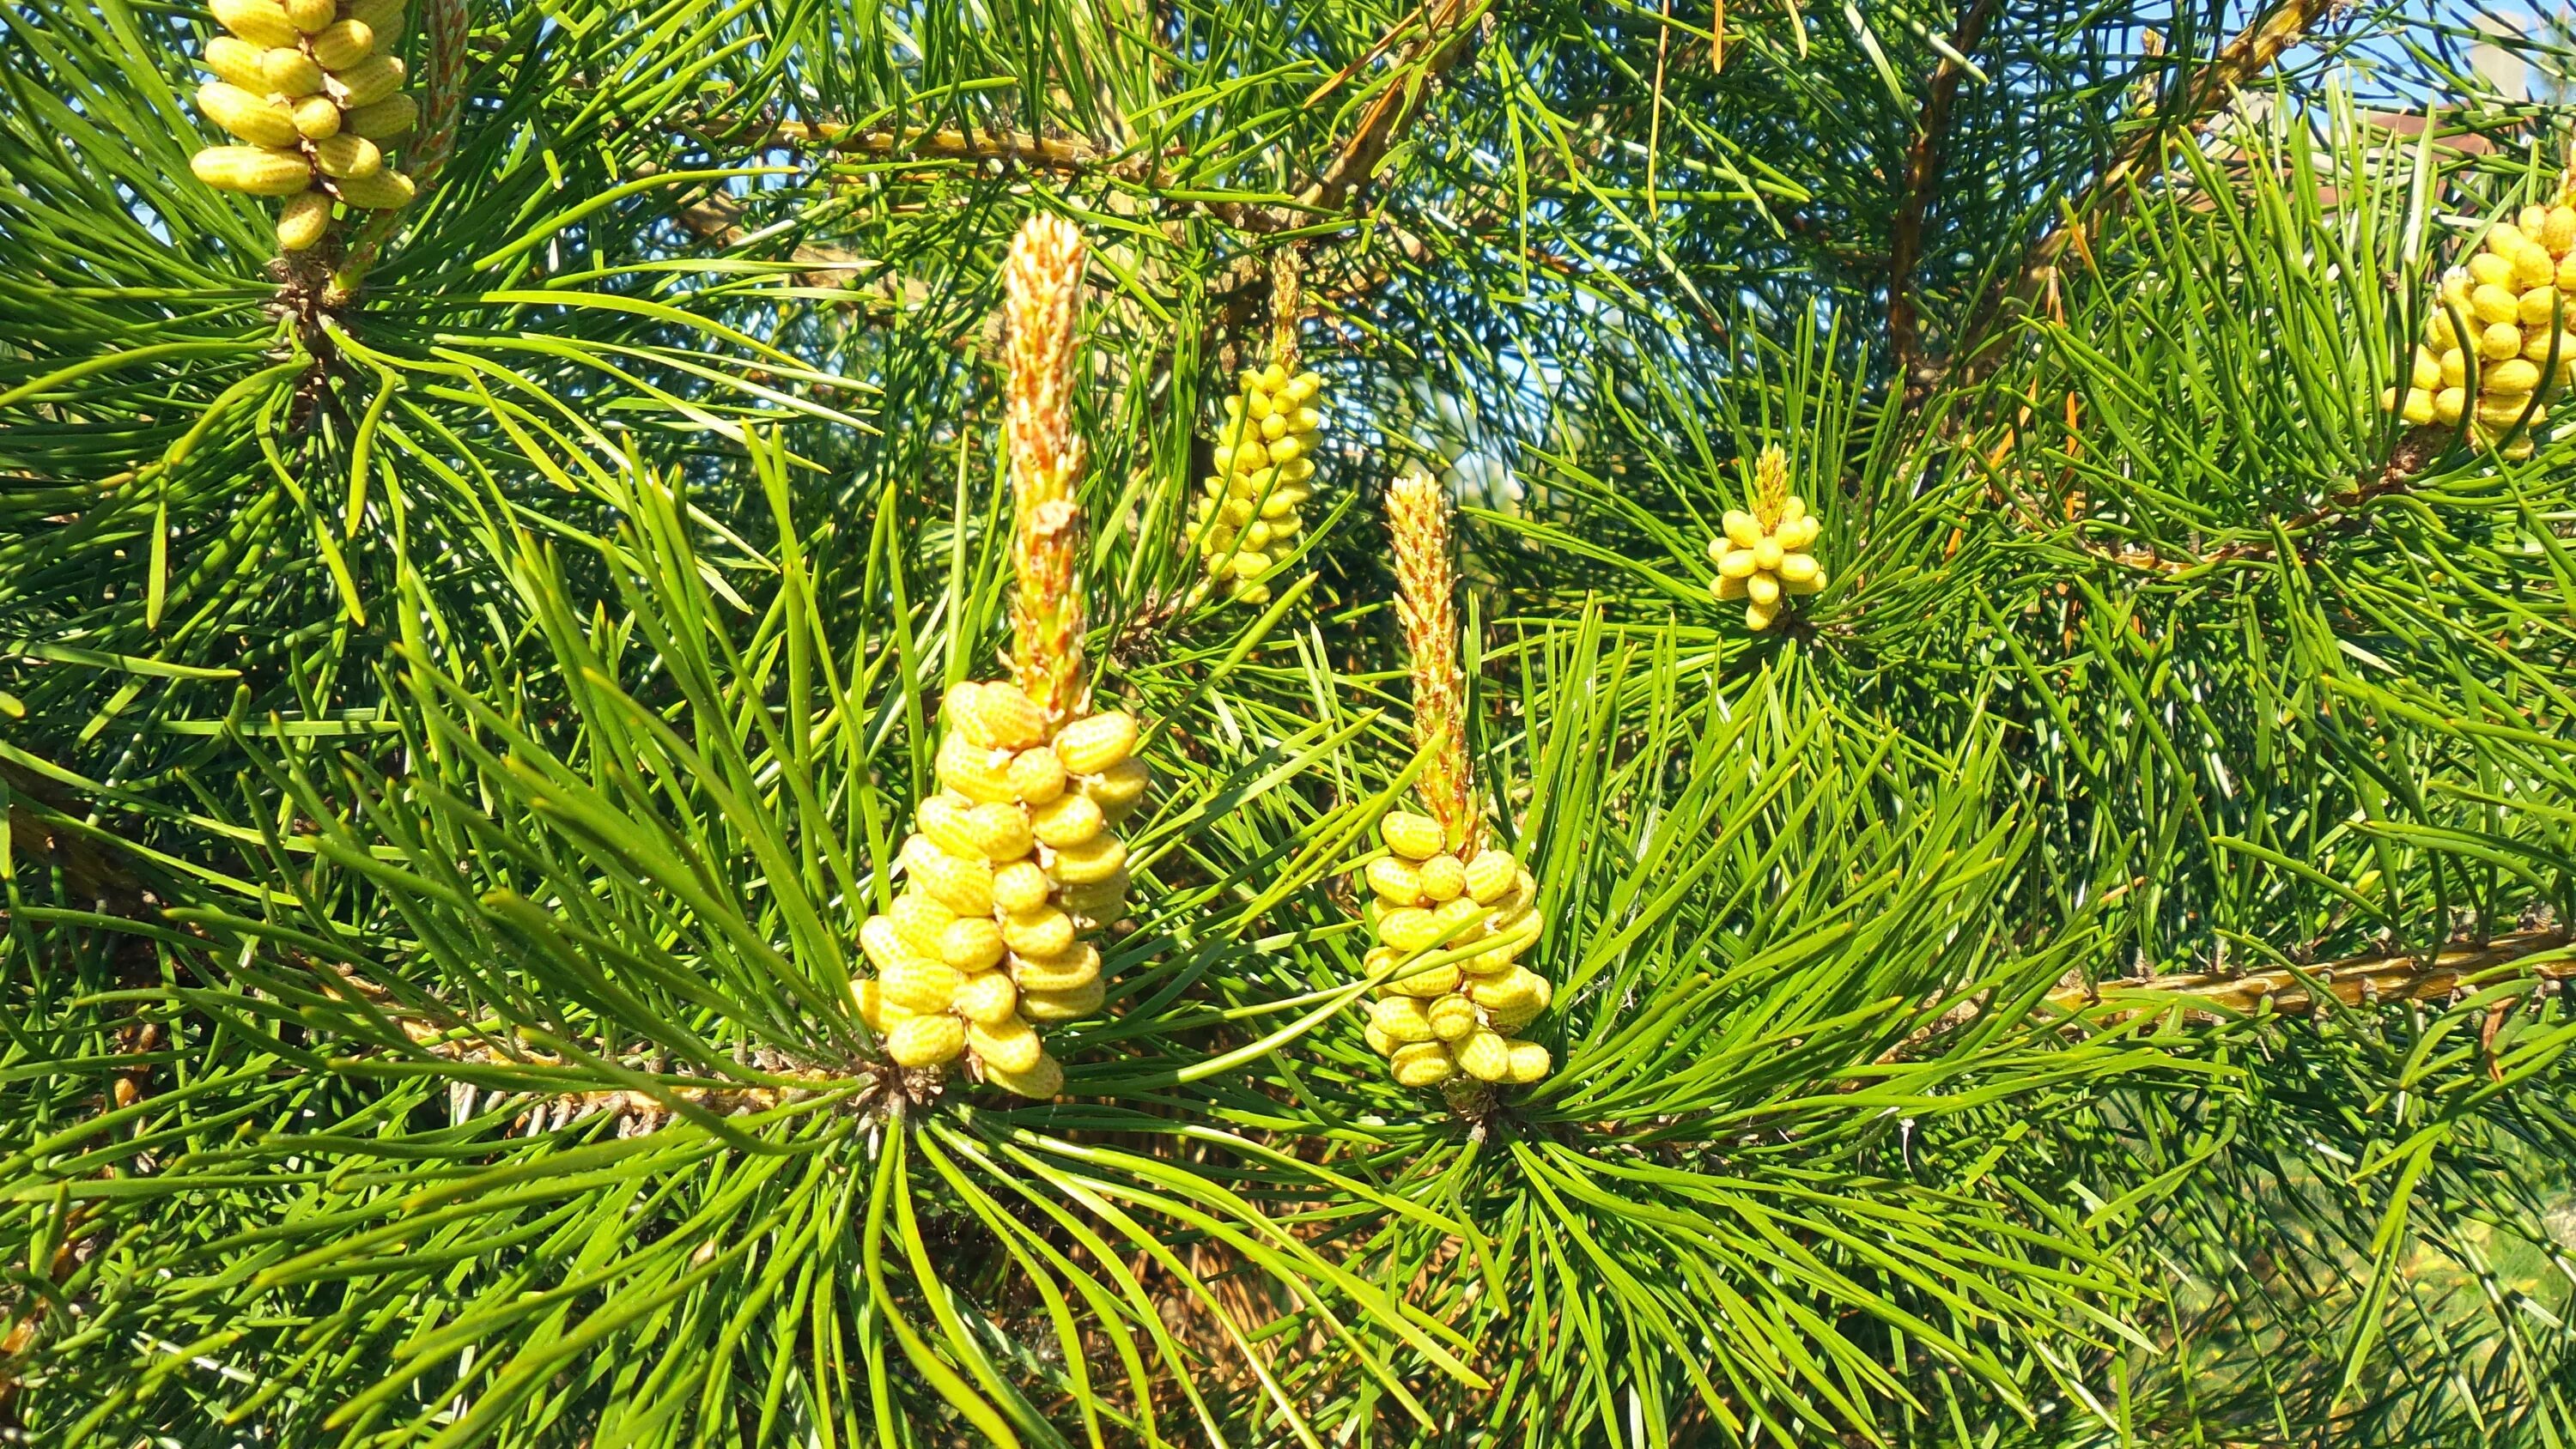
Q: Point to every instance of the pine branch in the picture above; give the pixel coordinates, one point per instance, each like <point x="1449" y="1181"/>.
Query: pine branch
<point x="1922" y="182"/>
<point x="44" y="822"/>
<point x="2342" y="510"/>
<point x="717" y="220"/>
<point x="2252" y="52"/>
<point x="1067" y="156"/>
<point x="438" y="1032"/>
<point x="1442" y="46"/>
<point x="1445" y="42"/>
<point x="2354" y="981"/>
<point x="1247" y="298"/>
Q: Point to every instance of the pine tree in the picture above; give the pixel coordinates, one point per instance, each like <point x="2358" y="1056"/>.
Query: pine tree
<point x="1964" y="839"/>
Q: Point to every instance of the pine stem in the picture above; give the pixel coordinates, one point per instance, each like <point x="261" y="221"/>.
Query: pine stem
<point x="1770" y="487"/>
<point x="2354" y="981"/>
<point x="1287" y="302"/>
<point x="448" y="22"/>
<point x="1043" y="281"/>
<point x="1417" y="509"/>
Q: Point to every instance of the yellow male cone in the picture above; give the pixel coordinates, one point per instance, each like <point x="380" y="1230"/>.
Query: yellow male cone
<point x="2497" y="343"/>
<point x="1016" y="863"/>
<point x="1440" y="892"/>
<point x="1250" y="514"/>
<point x="1762" y="556"/>
<point x="314" y="89"/>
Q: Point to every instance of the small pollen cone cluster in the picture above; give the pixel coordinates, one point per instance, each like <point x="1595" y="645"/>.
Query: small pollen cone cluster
<point x="1465" y="1018"/>
<point x="1248" y="516"/>
<point x="1763" y="555"/>
<point x="2498" y="340"/>
<point x="313" y="88"/>
<point x="1016" y="864"/>
<point x="1439" y="893"/>
<point x="1013" y="866"/>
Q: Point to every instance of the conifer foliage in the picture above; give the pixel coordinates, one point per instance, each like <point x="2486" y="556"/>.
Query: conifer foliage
<point x="1095" y="722"/>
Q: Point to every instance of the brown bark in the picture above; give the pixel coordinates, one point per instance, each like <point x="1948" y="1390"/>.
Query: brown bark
<point x="1922" y="185"/>
<point x="2353" y="981"/>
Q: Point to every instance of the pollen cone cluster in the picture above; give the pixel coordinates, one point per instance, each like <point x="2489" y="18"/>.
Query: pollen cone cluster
<point x="2498" y="341"/>
<point x="1248" y="515"/>
<point x="1016" y="863"/>
<point x="1464" y="1018"/>
<point x="1439" y="893"/>
<point x="1763" y="554"/>
<point x="313" y="88"/>
<point x="1012" y="868"/>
